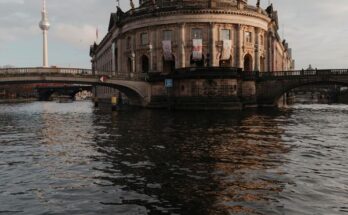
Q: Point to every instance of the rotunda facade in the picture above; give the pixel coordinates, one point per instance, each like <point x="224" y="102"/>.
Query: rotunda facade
<point x="202" y="47"/>
<point x="160" y="36"/>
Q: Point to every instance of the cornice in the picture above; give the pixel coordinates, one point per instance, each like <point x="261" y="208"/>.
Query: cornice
<point x="135" y="17"/>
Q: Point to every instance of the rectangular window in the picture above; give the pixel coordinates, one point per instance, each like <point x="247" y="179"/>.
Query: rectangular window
<point x="168" y="35"/>
<point x="225" y="34"/>
<point x="144" y="37"/>
<point x="197" y="33"/>
<point x="248" y="37"/>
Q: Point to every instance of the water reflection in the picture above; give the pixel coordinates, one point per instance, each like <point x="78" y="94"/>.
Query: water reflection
<point x="190" y="164"/>
<point x="72" y="159"/>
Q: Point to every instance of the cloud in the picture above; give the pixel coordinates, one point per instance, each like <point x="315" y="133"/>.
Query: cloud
<point x="11" y="1"/>
<point x="12" y="34"/>
<point x="80" y="36"/>
<point x="315" y="29"/>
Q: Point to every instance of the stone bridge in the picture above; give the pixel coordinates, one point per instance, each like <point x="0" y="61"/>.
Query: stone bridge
<point x="270" y="87"/>
<point x="136" y="90"/>
<point x="247" y="89"/>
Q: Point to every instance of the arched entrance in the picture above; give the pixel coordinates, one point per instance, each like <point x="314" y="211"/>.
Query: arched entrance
<point x="129" y="65"/>
<point x="145" y="65"/>
<point x="168" y="65"/>
<point x="262" y="64"/>
<point x="248" y="63"/>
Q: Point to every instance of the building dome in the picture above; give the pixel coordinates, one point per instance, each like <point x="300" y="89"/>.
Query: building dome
<point x="191" y="3"/>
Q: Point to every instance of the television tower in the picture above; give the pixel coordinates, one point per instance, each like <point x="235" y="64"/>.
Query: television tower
<point x="44" y="26"/>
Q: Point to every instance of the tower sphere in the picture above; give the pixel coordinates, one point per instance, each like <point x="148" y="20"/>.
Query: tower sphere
<point x="44" y="23"/>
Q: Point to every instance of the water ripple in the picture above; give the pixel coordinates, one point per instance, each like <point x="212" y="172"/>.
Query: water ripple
<point x="72" y="159"/>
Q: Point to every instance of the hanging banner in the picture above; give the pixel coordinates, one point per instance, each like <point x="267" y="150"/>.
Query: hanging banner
<point x="197" y="50"/>
<point x="167" y="50"/>
<point x="226" y="50"/>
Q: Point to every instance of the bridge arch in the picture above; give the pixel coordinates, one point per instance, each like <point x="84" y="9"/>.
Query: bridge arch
<point x="45" y="93"/>
<point x="270" y="93"/>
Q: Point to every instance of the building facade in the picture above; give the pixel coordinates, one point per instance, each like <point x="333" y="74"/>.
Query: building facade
<point x="162" y="36"/>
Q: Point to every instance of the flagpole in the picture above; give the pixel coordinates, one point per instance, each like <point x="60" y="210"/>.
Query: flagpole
<point x="97" y="34"/>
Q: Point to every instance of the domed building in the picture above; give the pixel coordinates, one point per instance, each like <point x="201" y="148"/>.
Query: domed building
<point x="164" y="36"/>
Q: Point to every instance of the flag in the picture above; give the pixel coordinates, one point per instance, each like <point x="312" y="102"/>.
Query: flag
<point x="197" y="49"/>
<point x="226" y="50"/>
<point x="97" y="33"/>
<point x="167" y="50"/>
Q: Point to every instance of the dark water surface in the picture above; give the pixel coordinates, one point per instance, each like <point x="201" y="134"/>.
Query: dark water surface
<point x="72" y="159"/>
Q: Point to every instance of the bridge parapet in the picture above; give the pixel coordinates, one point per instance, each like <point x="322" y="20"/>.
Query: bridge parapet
<point x="40" y="70"/>
<point x="69" y="72"/>
<point x="298" y="74"/>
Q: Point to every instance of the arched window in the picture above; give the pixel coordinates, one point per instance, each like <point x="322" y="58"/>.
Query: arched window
<point x="248" y="63"/>
<point x="129" y="65"/>
<point x="145" y="66"/>
<point x="262" y="64"/>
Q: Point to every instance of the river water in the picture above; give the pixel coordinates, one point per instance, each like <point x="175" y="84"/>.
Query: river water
<point x="72" y="159"/>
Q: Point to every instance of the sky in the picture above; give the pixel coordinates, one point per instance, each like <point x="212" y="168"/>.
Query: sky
<point x="316" y="30"/>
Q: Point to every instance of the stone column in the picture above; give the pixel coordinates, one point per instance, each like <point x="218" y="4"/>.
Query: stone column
<point x="240" y="35"/>
<point x="270" y="52"/>
<point x="213" y="39"/>
<point x="257" y="49"/>
<point x="182" y="44"/>
<point x="119" y="55"/>
<point x="113" y="60"/>
<point x="133" y="61"/>
<point x="158" y="50"/>
<point x="151" y="57"/>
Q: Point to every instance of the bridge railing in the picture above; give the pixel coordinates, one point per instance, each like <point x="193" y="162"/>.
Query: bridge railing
<point x="294" y="74"/>
<point x="69" y="72"/>
<point x="39" y="70"/>
<point x="179" y="73"/>
<point x="124" y="76"/>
